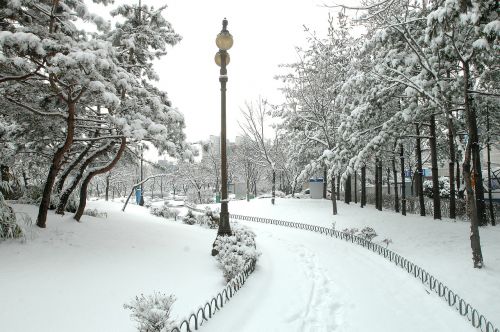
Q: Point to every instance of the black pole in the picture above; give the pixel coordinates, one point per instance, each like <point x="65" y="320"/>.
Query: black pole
<point x="403" y="180"/>
<point x="224" y="227"/>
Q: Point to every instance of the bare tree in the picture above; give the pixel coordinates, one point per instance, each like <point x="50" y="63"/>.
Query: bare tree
<point x="263" y="149"/>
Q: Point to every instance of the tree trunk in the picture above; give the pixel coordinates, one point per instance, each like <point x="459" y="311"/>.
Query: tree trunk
<point x="488" y="151"/>
<point x="388" y="181"/>
<point x="106" y="195"/>
<point x="248" y="189"/>
<point x="334" y="201"/>
<point x="403" y="180"/>
<point x="107" y="168"/>
<point x="419" y="176"/>
<point x="396" y="194"/>
<point x="475" y="149"/>
<point x="324" y="182"/>
<point x="141" y="200"/>
<point x="435" y="176"/>
<point x="274" y="187"/>
<point x="376" y="184"/>
<point x="475" y="241"/>
<point x="199" y="196"/>
<point x="25" y="179"/>
<point x="451" y="168"/>
<point x="62" y="179"/>
<point x="380" y="199"/>
<point x="347" y="190"/>
<point x="356" y="187"/>
<point x="63" y="200"/>
<point x="457" y="179"/>
<point x="55" y="166"/>
<point x="363" y="185"/>
<point x="338" y="187"/>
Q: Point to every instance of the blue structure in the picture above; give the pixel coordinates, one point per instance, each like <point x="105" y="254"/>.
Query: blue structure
<point x="137" y="195"/>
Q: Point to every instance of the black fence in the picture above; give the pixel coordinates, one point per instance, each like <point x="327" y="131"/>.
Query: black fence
<point x="432" y="283"/>
<point x="206" y="311"/>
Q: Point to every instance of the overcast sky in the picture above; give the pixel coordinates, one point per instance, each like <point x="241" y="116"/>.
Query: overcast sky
<point x="265" y="34"/>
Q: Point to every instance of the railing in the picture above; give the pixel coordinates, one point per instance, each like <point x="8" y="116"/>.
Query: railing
<point x="206" y="311"/>
<point x="454" y="300"/>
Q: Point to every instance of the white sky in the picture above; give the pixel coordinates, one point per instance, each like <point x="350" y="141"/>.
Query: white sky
<point x="265" y="34"/>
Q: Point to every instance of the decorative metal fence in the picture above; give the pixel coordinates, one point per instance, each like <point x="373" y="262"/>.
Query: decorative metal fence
<point x="206" y="311"/>
<point x="432" y="283"/>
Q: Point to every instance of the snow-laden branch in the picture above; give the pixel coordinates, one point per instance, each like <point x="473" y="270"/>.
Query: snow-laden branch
<point x="31" y="109"/>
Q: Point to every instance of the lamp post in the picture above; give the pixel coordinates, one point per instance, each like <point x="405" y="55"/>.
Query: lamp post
<point x="224" y="41"/>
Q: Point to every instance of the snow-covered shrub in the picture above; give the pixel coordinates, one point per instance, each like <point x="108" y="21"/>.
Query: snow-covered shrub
<point x="31" y="195"/>
<point x="72" y="204"/>
<point x="236" y="251"/>
<point x="444" y="187"/>
<point x="12" y="226"/>
<point x="209" y="219"/>
<point x="164" y="211"/>
<point x="367" y="233"/>
<point x="351" y="231"/>
<point x="387" y="242"/>
<point x="95" y="213"/>
<point x="152" y="312"/>
<point x="189" y="218"/>
<point x="279" y="194"/>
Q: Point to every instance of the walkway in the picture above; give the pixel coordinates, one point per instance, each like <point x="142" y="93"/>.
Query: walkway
<point x="306" y="282"/>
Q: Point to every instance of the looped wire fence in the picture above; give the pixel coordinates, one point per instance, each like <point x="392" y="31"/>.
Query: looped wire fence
<point x="476" y="319"/>
<point x="216" y="303"/>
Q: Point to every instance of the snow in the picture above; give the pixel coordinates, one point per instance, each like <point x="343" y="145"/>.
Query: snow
<point x="71" y="272"/>
<point x="440" y="247"/>
<point x="307" y="282"/>
<point x="77" y="276"/>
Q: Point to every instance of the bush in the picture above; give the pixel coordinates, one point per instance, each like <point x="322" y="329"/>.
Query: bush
<point x="164" y="211"/>
<point x="189" y="218"/>
<point x="11" y="226"/>
<point x="72" y="204"/>
<point x="95" y="213"/>
<point x="279" y="194"/>
<point x="31" y="195"/>
<point x="210" y="219"/>
<point x="152" y="312"/>
<point x="444" y="187"/>
<point x="366" y="233"/>
<point x="236" y="251"/>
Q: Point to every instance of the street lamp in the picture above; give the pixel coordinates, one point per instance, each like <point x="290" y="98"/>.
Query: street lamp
<point x="224" y="41"/>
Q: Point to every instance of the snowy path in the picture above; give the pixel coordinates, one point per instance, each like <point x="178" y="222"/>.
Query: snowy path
<point x="306" y="282"/>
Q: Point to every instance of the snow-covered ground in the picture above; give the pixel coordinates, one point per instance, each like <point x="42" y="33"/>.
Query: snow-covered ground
<point x="76" y="276"/>
<point x="440" y="247"/>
